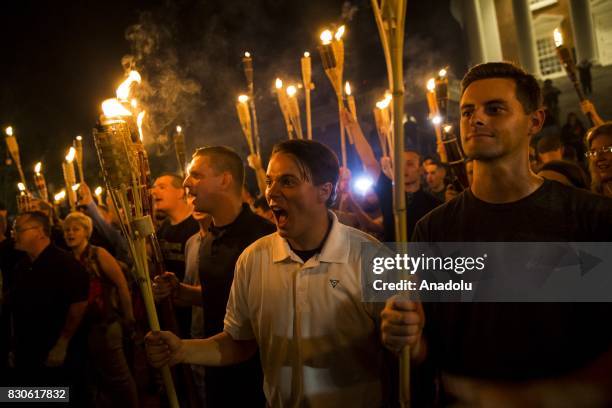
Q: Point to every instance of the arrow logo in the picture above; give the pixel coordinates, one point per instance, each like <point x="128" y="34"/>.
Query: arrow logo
<point x="333" y="282"/>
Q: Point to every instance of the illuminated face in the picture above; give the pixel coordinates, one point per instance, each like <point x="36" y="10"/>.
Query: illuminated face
<point x="295" y="202"/>
<point x="165" y="195"/>
<point x="26" y="233"/>
<point x="434" y="175"/>
<point x="203" y="184"/>
<point x="493" y="121"/>
<point x="412" y="172"/>
<point x="75" y="234"/>
<point x="602" y="164"/>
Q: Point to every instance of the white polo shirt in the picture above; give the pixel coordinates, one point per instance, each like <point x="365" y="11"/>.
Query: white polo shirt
<point x="319" y="343"/>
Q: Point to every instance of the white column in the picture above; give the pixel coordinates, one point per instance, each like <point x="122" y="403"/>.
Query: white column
<point x="478" y="20"/>
<point x="582" y="28"/>
<point x="528" y="55"/>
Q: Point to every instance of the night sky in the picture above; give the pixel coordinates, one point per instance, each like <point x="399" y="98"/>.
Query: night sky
<point x="62" y="59"/>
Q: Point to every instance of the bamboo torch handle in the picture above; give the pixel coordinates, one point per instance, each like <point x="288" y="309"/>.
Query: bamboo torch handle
<point x="404" y="374"/>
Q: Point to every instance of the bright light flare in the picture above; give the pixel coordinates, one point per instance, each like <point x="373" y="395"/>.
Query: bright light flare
<point x="291" y="91"/>
<point x="339" y="33"/>
<point x="139" y="120"/>
<point x="9" y="131"/>
<point x="243" y="98"/>
<point x="347" y="88"/>
<point x="383" y="104"/>
<point x="442" y="73"/>
<point x="247" y="54"/>
<point x="558" y="37"/>
<point x="71" y="154"/>
<point x="123" y="91"/>
<point x="436" y="120"/>
<point x="79" y="138"/>
<point x="279" y="83"/>
<point x="38" y="168"/>
<point x="98" y="191"/>
<point x="112" y="107"/>
<point x="431" y="84"/>
<point x="448" y="128"/>
<point x="134" y="103"/>
<point x="326" y="37"/>
<point x="306" y="54"/>
<point x="75" y="187"/>
<point x="60" y="196"/>
<point x="21" y="187"/>
<point x="363" y="184"/>
<point x="179" y="129"/>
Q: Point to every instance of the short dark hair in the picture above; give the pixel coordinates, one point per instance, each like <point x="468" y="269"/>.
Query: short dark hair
<point x="548" y="143"/>
<point x="177" y="181"/>
<point x="224" y="159"/>
<point x="317" y="162"/>
<point x="573" y="172"/>
<point x="528" y="91"/>
<point x="39" y="218"/>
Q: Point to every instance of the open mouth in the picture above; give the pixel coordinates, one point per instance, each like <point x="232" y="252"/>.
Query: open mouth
<point x="280" y="215"/>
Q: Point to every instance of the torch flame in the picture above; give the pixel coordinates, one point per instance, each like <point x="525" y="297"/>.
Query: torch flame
<point x="347" y="88"/>
<point x="326" y="37"/>
<point x="306" y="54"/>
<point x="112" y="107"/>
<point x="60" y="196"/>
<point x="383" y="104"/>
<point x="431" y="85"/>
<point x="21" y="187"/>
<point x="291" y="91"/>
<point x="139" y="119"/>
<point x="279" y="83"/>
<point x="123" y="91"/>
<point x="436" y="120"/>
<point x="442" y="73"/>
<point x="134" y="103"/>
<point x="9" y="131"/>
<point x="339" y="33"/>
<point x="98" y="191"/>
<point x="71" y="154"/>
<point x="247" y="54"/>
<point x="38" y="168"/>
<point x="75" y="187"/>
<point x="243" y="99"/>
<point x="179" y="129"/>
<point x="558" y="37"/>
<point x="447" y="128"/>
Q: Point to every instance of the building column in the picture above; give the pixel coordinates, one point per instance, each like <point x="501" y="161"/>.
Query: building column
<point x="528" y="54"/>
<point x="582" y="29"/>
<point x="478" y="20"/>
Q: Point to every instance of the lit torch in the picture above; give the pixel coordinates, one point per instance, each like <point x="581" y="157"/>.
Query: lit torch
<point x="24" y="200"/>
<point x="40" y="182"/>
<point x="308" y="86"/>
<point x="382" y="118"/>
<point x="247" y="62"/>
<point x="565" y="57"/>
<point x="283" y="104"/>
<point x="13" y="148"/>
<point x="350" y="98"/>
<point x="294" y="110"/>
<point x="244" y="117"/>
<point x="70" y="177"/>
<point x="332" y="57"/>
<point x="126" y="173"/>
<point x="78" y="145"/>
<point x="98" y="192"/>
<point x="179" y="148"/>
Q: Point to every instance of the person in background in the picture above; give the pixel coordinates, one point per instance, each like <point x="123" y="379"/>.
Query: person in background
<point x="549" y="148"/>
<point x="261" y="208"/>
<point x="565" y="172"/>
<point x="109" y="315"/>
<point x="435" y="175"/>
<point x="572" y="137"/>
<point x="599" y="142"/>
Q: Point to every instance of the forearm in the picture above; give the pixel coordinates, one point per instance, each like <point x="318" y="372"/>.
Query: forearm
<point x="219" y="350"/>
<point x="75" y="315"/>
<point x="365" y="220"/>
<point x="188" y="295"/>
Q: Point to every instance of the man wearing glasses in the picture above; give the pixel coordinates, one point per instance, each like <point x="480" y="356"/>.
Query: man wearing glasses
<point x="48" y="301"/>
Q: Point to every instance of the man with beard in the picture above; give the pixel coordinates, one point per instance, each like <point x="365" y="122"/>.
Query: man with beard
<point x="215" y="180"/>
<point x="510" y="354"/>
<point x="297" y="295"/>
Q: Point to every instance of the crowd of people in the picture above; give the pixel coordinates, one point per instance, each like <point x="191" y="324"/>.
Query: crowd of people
<point x="266" y="293"/>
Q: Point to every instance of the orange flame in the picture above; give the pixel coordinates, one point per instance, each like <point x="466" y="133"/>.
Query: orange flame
<point x="123" y="91"/>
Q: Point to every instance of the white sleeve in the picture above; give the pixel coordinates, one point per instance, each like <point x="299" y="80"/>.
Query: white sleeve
<point x="237" y="317"/>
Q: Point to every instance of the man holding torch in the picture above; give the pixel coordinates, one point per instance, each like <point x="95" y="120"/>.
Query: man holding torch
<point x="511" y="354"/>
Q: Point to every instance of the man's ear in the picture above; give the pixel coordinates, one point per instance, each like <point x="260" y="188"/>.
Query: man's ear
<point x="536" y="121"/>
<point x="325" y="191"/>
<point x="226" y="180"/>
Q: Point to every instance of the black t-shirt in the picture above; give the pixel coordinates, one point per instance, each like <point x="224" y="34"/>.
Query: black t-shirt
<point x="418" y="204"/>
<point x="518" y="341"/>
<point x="172" y="240"/>
<point x="219" y="251"/>
<point x="43" y="292"/>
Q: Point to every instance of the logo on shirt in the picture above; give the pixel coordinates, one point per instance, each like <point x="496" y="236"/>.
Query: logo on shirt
<point x="333" y="282"/>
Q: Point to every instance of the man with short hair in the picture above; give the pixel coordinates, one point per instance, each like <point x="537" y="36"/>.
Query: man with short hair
<point x="549" y="148"/>
<point x="510" y="354"/>
<point x="48" y="300"/>
<point x="214" y="183"/>
<point x="297" y="295"/>
<point x="435" y="175"/>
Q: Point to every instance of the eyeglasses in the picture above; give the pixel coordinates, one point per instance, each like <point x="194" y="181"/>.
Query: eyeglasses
<point x="592" y="154"/>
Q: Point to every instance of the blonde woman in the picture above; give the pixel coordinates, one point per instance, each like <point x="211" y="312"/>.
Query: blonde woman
<point x="109" y="301"/>
<point x="599" y="143"/>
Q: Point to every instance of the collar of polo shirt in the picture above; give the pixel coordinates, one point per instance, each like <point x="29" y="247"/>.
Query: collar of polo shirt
<point x="335" y="249"/>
